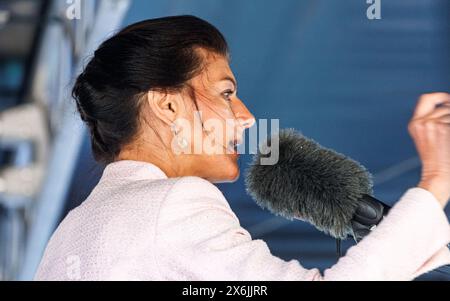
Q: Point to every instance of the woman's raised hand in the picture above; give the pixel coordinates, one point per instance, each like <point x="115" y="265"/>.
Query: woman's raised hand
<point x="430" y="130"/>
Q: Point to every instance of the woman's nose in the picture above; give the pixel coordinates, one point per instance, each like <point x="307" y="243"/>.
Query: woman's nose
<point x="243" y="115"/>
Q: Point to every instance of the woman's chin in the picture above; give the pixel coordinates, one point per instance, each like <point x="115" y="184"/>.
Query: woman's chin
<point x="228" y="173"/>
<point x="233" y="170"/>
<point x="234" y="176"/>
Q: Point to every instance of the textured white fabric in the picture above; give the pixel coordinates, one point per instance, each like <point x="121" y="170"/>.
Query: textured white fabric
<point x="139" y="225"/>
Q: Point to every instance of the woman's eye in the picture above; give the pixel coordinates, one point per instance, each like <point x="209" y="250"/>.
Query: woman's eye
<point x="227" y="95"/>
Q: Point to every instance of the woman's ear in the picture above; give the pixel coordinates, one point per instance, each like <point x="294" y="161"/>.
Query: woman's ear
<point x="166" y="106"/>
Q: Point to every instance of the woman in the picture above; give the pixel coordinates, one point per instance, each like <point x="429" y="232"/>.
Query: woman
<point x="155" y="214"/>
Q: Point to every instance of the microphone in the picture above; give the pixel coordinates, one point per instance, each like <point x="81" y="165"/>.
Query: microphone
<point x="317" y="185"/>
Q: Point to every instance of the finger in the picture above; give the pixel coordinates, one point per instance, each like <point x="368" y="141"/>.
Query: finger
<point x="428" y="102"/>
<point x="439" y="112"/>
<point x="444" y="119"/>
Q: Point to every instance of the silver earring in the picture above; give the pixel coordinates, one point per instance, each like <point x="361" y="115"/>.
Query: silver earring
<point x="181" y="141"/>
<point x="174" y="129"/>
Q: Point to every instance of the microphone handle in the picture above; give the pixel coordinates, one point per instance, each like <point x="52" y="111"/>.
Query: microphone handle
<point x="368" y="215"/>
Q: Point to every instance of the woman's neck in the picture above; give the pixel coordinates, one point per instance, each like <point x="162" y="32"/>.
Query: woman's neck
<point x="165" y="162"/>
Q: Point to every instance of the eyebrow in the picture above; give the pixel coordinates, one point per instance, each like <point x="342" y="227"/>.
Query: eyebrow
<point x="231" y="80"/>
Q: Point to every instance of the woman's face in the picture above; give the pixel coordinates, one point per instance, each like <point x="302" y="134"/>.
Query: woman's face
<point x="217" y="122"/>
